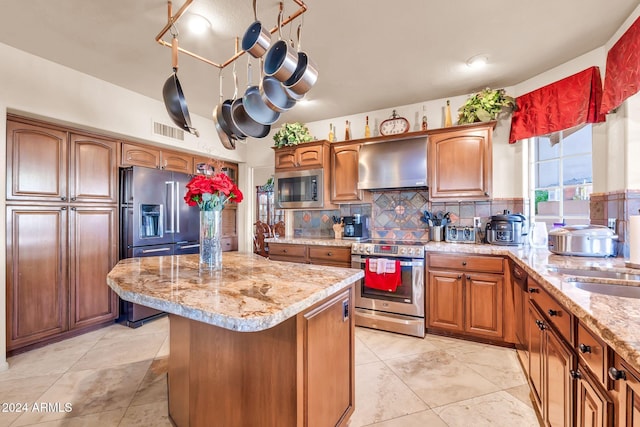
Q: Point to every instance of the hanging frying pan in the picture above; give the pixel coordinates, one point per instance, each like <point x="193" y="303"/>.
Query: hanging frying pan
<point x="243" y="121"/>
<point x="174" y="97"/>
<point x="255" y="106"/>
<point x="221" y="119"/>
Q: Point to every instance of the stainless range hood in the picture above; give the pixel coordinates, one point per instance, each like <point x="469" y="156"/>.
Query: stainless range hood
<point x="393" y="164"/>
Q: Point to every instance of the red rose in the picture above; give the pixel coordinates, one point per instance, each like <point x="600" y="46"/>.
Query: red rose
<point x="222" y="183"/>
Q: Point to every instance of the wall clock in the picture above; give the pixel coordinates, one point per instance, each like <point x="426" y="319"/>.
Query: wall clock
<point x="394" y="125"/>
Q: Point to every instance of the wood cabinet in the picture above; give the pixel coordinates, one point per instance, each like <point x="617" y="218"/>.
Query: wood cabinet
<point x="309" y="155"/>
<point x="338" y="256"/>
<point x="626" y="393"/>
<point x="594" y="406"/>
<point x="152" y="157"/>
<point x="466" y="295"/>
<point x="344" y="173"/>
<point x="460" y="162"/>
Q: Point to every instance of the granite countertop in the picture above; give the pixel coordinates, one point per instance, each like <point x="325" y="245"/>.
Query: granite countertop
<point x="615" y="319"/>
<point x="328" y="241"/>
<point x="250" y="293"/>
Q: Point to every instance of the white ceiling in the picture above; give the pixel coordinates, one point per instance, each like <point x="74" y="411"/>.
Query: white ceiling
<point x="372" y="54"/>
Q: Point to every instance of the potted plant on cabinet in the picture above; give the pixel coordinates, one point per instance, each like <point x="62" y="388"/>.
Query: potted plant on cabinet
<point x="292" y="134"/>
<point x="485" y="106"/>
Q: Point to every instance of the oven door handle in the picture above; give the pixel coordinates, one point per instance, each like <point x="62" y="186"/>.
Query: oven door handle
<point x="414" y="263"/>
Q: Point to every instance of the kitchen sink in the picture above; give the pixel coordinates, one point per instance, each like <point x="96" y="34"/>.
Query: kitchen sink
<point x="603" y="274"/>
<point x="608" y="288"/>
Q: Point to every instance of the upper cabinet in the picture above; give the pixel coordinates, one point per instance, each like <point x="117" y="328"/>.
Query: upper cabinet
<point x="46" y="163"/>
<point x="460" y="162"/>
<point x="344" y="173"/>
<point x="309" y="155"/>
<point x="151" y="157"/>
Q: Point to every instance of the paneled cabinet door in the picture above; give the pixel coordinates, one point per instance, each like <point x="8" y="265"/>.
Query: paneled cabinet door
<point x="91" y="300"/>
<point x="446" y="301"/>
<point x="304" y="156"/>
<point x="460" y="163"/>
<point x="36" y="162"/>
<point x="559" y="394"/>
<point x="344" y="173"/>
<point x="93" y="169"/>
<point x="37" y="285"/>
<point x="594" y="408"/>
<point x="536" y="354"/>
<point x="484" y="309"/>
<point x="177" y="162"/>
<point x="329" y="358"/>
<point x="626" y="392"/>
<point x="137" y="155"/>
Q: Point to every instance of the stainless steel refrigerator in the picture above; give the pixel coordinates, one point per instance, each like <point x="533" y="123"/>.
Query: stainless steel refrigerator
<point x="155" y="221"/>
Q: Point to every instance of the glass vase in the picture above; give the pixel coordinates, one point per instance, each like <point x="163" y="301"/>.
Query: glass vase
<point x="210" y="234"/>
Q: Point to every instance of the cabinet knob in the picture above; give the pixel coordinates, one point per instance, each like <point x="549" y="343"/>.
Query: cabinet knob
<point x="284" y="251"/>
<point x="541" y="325"/>
<point x="486" y="194"/>
<point x="63" y="208"/>
<point x="534" y="290"/>
<point x="576" y="375"/>
<point x="73" y="199"/>
<point x="464" y="263"/>
<point x="63" y="198"/>
<point x="552" y="312"/>
<point x="329" y="253"/>
<point x="459" y="276"/>
<point x="584" y="348"/>
<point x="616" y="375"/>
<point x="73" y="208"/>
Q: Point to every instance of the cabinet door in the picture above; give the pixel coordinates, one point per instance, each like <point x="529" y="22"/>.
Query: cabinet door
<point x="594" y="408"/>
<point x="460" y="165"/>
<point x="329" y="361"/>
<point x="446" y="304"/>
<point x="177" y="162"/>
<point x="558" y="388"/>
<point x="287" y="252"/>
<point x="231" y="170"/>
<point x="310" y="156"/>
<point x="536" y="355"/>
<point x="627" y="395"/>
<point x="93" y="169"/>
<point x="328" y="255"/>
<point x="91" y="300"/>
<point x="484" y="311"/>
<point x="36" y="274"/>
<point x="136" y="155"/>
<point x="285" y="158"/>
<point x="344" y="173"/>
<point x="37" y="163"/>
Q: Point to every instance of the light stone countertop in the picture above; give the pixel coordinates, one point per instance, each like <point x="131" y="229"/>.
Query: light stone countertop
<point x="311" y="241"/>
<point x="615" y="319"/>
<point x="250" y="293"/>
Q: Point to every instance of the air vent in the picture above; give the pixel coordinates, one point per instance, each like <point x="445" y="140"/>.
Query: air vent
<point x="168" y="131"/>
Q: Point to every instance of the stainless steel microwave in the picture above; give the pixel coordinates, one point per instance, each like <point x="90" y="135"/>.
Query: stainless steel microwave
<point x="300" y="189"/>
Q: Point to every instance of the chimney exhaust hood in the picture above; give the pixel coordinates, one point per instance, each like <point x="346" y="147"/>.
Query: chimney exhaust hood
<point x="393" y="164"/>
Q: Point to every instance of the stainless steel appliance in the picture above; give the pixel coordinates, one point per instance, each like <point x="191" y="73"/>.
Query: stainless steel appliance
<point x="400" y="163"/>
<point x="154" y="221"/>
<point x="400" y="311"/>
<point x="356" y="227"/>
<point x="461" y="234"/>
<point x="583" y="240"/>
<point x="507" y="229"/>
<point x="300" y="189"/>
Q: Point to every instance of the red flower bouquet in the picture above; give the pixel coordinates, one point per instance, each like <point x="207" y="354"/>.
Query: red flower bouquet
<point x="212" y="192"/>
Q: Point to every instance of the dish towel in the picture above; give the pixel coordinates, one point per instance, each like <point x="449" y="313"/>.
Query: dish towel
<point x="383" y="274"/>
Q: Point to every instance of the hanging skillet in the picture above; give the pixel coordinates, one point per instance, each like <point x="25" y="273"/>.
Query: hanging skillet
<point x="174" y="98"/>
<point x="221" y="120"/>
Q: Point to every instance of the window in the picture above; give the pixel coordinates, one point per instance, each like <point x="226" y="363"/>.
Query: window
<point x="562" y="177"/>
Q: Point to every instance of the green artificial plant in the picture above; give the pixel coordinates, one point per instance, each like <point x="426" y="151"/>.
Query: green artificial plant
<point x="292" y="134"/>
<point x="485" y="106"/>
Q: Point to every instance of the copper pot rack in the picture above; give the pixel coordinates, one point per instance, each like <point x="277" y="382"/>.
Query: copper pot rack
<point x="173" y="19"/>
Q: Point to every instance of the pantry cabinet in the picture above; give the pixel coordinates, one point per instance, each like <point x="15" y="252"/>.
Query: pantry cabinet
<point x="460" y="162"/>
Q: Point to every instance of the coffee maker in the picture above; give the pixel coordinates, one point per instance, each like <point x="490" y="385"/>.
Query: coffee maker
<point x="356" y="227"/>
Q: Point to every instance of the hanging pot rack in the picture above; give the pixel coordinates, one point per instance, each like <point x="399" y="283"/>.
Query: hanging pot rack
<point x="173" y="19"/>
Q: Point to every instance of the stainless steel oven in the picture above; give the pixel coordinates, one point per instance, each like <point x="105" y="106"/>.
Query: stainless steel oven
<point x="300" y="189"/>
<point x="401" y="310"/>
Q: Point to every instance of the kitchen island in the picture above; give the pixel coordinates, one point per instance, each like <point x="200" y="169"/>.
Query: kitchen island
<point x="258" y="343"/>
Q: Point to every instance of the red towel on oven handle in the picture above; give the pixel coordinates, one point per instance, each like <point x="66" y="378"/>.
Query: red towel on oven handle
<point x="384" y="282"/>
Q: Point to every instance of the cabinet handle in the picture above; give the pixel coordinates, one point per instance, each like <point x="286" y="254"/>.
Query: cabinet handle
<point x="468" y="277"/>
<point x="584" y="348"/>
<point x="552" y="312"/>
<point x="576" y="375"/>
<point x="616" y="375"/>
<point x="345" y="310"/>
<point x="284" y="251"/>
<point x="63" y="198"/>
<point x="541" y="325"/>
<point x="73" y="208"/>
<point x="464" y="263"/>
<point x="486" y="194"/>
<point x="459" y="276"/>
<point x="64" y="208"/>
<point x="329" y="253"/>
<point x="534" y="290"/>
<point x="73" y="199"/>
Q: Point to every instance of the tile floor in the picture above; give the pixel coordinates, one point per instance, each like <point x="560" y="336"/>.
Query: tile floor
<point x="116" y="376"/>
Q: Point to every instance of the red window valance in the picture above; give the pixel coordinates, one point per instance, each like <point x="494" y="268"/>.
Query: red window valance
<point x="623" y="69"/>
<point x="569" y="102"/>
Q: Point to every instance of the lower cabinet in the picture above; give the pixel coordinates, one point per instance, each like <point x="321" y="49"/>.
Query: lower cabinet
<point x="594" y="407"/>
<point x="626" y="393"/>
<point x="337" y="256"/>
<point x="56" y="273"/>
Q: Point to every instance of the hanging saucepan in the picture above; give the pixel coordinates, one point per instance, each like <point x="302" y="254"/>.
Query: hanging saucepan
<point x="257" y="38"/>
<point x="174" y="97"/>
<point x="255" y="106"/>
<point x="281" y="60"/>
<point x="244" y="122"/>
<point x="221" y="119"/>
<point x="274" y="95"/>
<point x="306" y="73"/>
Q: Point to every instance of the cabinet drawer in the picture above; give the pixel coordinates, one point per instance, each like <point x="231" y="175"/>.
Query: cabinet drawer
<point x="560" y="318"/>
<point x="229" y="244"/>
<point x="287" y="250"/>
<point x="484" y="264"/>
<point x="592" y="352"/>
<point x="329" y="254"/>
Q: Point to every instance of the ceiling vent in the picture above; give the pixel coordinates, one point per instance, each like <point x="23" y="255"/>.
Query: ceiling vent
<point x="168" y="131"/>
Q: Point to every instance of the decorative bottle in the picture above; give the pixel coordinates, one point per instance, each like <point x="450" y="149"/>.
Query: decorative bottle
<point x="332" y="136"/>
<point x="447" y="116"/>
<point x="347" y="131"/>
<point x="367" y="130"/>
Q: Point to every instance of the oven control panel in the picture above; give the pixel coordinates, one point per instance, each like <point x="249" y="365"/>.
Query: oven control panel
<point x="407" y="251"/>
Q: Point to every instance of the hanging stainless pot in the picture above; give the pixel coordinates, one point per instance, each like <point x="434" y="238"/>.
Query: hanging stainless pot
<point x="257" y="38"/>
<point x="306" y="73"/>
<point x="274" y="95"/>
<point x="255" y="106"/>
<point x="174" y="97"/>
<point x="281" y="60"/>
<point x="242" y="121"/>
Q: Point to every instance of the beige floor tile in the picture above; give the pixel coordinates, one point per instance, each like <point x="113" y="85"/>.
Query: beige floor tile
<point x="387" y="345"/>
<point x="102" y="419"/>
<point x="497" y="364"/>
<point x="420" y="419"/>
<point x="498" y="409"/>
<point x="438" y="378"/>
<point x="90" y="392"/>
<point x="21" y="394"/>
<point x="363" y="353"/>
<point x="154" y="384"/>
<point x="151" y="414"/>
<point x="380" y="396"/>
<point x="522" y="393"/>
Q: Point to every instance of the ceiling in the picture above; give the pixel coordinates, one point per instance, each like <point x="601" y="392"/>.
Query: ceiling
<point x="371" y="54"/>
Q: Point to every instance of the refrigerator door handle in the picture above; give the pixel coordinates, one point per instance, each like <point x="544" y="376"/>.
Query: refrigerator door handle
<point x="172" y="205"/>
<point x="176" y="207"/>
